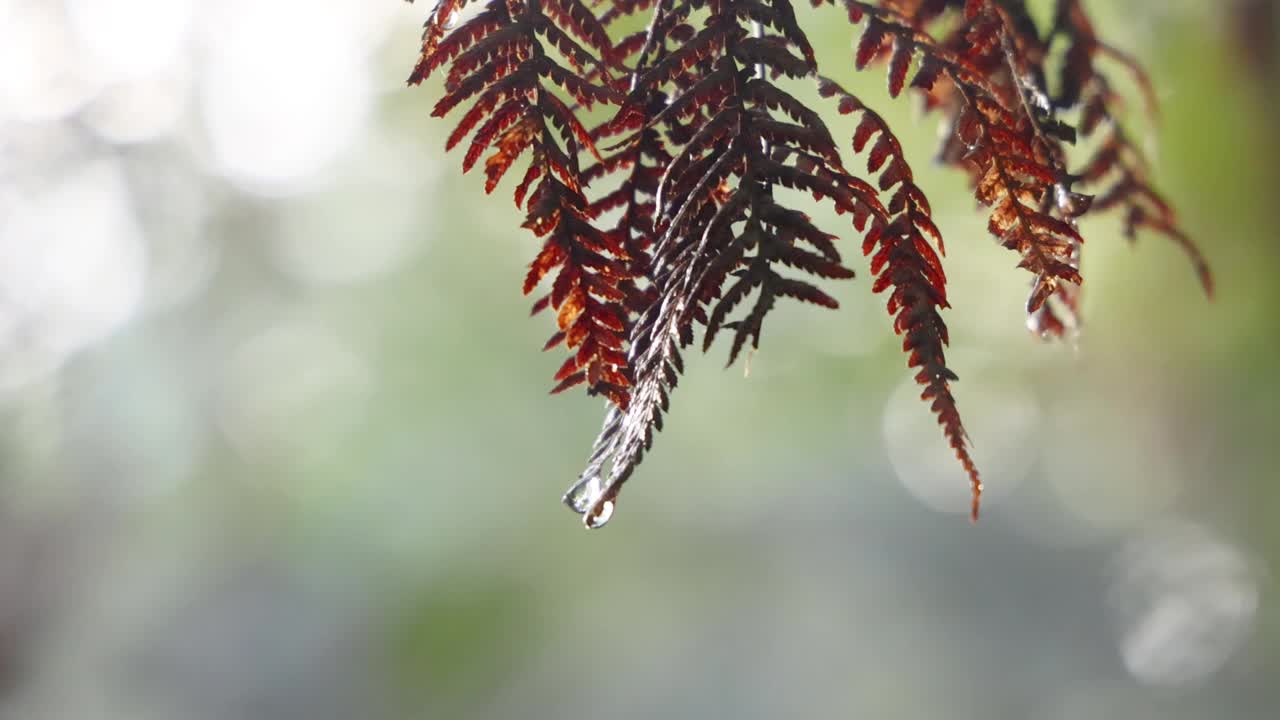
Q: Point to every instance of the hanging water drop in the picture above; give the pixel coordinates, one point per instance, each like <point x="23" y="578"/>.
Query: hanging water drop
<point x="599" y="514"/>
<point x="591" y="498"/>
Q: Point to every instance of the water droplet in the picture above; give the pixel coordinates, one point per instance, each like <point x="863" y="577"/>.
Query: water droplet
<point x="590" y="498"/>
<point x="599" y="515"/>
<point x="580" y="495"/>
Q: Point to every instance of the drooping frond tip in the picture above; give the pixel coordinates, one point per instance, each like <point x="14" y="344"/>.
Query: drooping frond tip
<point x="669" y="218"/>
<point x="904" y="260"/>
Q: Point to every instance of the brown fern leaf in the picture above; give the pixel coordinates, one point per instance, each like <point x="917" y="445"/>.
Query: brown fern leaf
<point x="498" y="59"/>
<point x="434" y="29"/>
<point x="722" y="235"/>
<point x="640" y="160"/>
<point x="1118" y="167"/>
<point x="680" y="225"/>
<point x="1011" y="139"/>
<point x="921" y="12"/>
<point x="905" y="260"/>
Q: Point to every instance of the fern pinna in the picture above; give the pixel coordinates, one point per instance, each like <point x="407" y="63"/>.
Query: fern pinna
<point x="674" y="216"/>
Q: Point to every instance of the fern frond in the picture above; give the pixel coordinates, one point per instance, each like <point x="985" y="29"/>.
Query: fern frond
<point x="1012" y="139"/>
<point x="498" y="58"/>
<point x="1118" y="167"/>
<point x="722" y="236"/>
<point x="904" y="259"/>
<point x="672" y="221"/>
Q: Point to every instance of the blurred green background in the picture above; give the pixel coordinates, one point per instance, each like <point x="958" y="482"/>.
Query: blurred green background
<point x="275" y="440"/>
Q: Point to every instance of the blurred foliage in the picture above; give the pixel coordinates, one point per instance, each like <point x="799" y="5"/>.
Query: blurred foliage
<point x="277" y="444"/>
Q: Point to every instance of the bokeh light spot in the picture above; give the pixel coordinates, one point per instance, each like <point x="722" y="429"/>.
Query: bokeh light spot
<point x="1002" y="417"/>
<point x="75" y="265"/>
<point x="131" y="37"/>
<point x="291" y="393"/>
<point x="282" y="101"/>
<point x="1184" y="602"/>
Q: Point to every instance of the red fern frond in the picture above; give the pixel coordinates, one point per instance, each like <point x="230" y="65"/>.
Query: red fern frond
<point x="904" y="259"/>
<point x="680" y="222"/>
<point x="1118" y="160"/>
<point x="722" y="235"/>
<point x="498" y="59"/>
<point x="1011" y="140"/>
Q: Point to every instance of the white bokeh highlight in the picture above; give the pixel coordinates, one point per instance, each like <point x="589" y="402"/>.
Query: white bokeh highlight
<point x="75" y="266"/>
<point x="1184" y="601"/>
<point x="141" y="110"/>
<point x="284" y="89"/>
<point x="1112" y="470"/>
<point x="365" y="224"/>
<point x="1002" y="417"/>
<point x="131" y="38"/>
<point x="290" y="392"/>
<point x="44" y="72"/>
